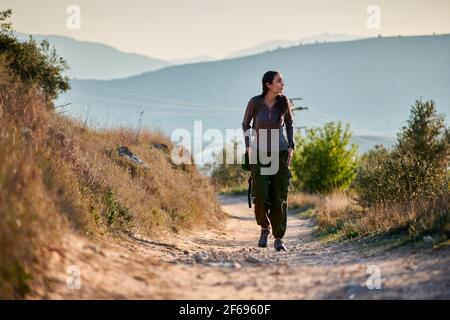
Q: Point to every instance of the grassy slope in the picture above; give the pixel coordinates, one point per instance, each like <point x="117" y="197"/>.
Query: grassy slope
<point x="59" y="176"/>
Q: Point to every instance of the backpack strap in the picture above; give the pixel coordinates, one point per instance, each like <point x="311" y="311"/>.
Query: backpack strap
<point x="249" y="192"/>
<point x="258" y="104"/>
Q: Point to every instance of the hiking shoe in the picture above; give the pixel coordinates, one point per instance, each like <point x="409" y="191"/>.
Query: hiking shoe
<point x="264" y="238"/>
<point x="279" y="245"/>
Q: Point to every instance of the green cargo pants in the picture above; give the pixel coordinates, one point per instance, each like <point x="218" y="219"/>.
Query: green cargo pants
<point x="270" y="193"/>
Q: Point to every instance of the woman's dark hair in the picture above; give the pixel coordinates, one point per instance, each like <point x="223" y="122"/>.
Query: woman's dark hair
<point x="268" y="77"/>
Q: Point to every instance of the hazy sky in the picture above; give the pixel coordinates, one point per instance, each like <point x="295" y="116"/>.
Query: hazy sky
<point x="171" y="29"/>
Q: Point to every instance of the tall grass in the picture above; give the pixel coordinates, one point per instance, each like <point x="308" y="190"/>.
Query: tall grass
<point x="28" y="218"/>
<point x="339" y="215"/>
<point x="57" y="175"/>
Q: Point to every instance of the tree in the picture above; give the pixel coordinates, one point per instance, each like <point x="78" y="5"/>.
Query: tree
<point x="426" y="137"/>
<point x="34" y="63"/>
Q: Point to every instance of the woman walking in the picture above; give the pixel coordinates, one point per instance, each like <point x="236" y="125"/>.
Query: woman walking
<point x="271" y="110"/>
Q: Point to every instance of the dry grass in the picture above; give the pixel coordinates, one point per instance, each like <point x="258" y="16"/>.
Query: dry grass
<point x="58" y="175"/>
<point x="304" y="201"/>
<point x="28" y="218"/>
<point x="329" y="210"/>
<point x="416" y="218"/>
<point x="337" y="214"/>
<point x="159" y="197"/>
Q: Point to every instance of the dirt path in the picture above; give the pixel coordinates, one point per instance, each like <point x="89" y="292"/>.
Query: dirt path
<point x="226" y="264"/>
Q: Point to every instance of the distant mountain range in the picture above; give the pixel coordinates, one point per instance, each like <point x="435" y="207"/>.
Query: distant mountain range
<point x="195" y="59"/>
<point x="275" y="44"/>
<point x="92" y="60"/>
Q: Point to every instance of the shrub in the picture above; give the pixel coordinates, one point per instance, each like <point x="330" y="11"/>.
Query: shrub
<point x="323" y="161"/>
<point x="35" y="63"/>
<point x="408" y="187"/>
<point x="415" y="169"/>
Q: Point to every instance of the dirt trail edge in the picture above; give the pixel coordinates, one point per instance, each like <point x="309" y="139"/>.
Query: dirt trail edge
<point x="226" y="264"/>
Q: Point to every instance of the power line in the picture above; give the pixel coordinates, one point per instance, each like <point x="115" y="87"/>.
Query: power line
<point x="171" y="101"/>
<point x="161" y="107"/>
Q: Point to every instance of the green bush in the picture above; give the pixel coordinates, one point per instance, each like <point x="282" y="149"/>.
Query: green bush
<point x="389" y="177"/>
<point x="35" y="63"/>
<point x="324" y="161"/>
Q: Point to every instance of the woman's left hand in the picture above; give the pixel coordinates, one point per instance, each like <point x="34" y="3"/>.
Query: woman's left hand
<point x="289" y="158"/>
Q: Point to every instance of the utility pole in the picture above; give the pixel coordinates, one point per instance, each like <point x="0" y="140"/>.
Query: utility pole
<point x="298" y="128"/>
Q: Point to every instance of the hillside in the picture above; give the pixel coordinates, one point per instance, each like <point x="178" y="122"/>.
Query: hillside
<point x="60" y="178"/>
